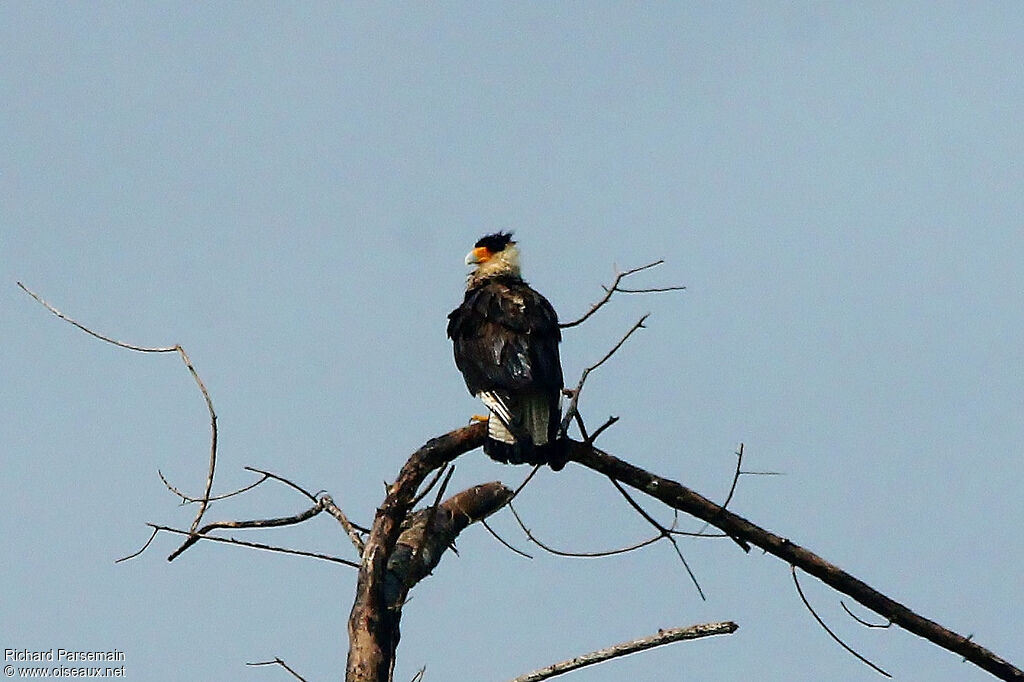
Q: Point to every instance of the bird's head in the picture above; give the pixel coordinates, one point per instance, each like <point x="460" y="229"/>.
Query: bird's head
<point x="494" y="255"/>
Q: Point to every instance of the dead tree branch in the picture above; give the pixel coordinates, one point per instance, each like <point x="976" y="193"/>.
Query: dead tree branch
<point x="373" y="621"/>
<point x="576" y="555"/>
<point x="204" y="501"/>
<point x="626" y="648"/>
<point x="245" y="543"/>
<point x="255" y="523"/>
<point x="831" y="634"/>
<point x="679" y="497"/>
<point x="353" y="533"/>
<point x="609" y="291"/>
<point x="278" y="661"/>
<point x="573" y="409"/>
<point x="403" y="547"/>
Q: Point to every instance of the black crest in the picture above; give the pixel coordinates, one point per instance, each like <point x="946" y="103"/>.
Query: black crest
<point x="495" y="242"/>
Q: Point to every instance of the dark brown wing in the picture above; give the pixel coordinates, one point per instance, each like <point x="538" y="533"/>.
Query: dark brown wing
<point x="505" y="337"/>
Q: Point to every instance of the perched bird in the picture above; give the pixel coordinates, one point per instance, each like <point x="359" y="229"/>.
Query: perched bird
<point x="506" y="337"/>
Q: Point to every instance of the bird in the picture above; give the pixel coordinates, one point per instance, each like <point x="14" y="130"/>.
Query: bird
<point x="505" y="337"/>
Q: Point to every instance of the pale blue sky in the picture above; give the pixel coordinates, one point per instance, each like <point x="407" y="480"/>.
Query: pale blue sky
<point x="288" y="190"/>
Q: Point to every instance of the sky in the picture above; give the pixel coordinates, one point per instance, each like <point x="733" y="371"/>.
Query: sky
<point x="288" y="190"/>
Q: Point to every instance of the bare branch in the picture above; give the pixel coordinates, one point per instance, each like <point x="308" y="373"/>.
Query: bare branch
<point x="728" y="499"/>
<point x="626" y="648"/>
<point x="665" y="533"/>
<point x="194" y="537"/>
<point x="609" y="291"/>
<point x="278" y="661"/>
<point x="653" y="290"/>
<point x="573" y="405"/>
<point x="353" y="534"/>
<point x="578" y="555"/>
<point x="257" y="545"/>
<point x="682" y="498"/>
<point x="863" y="622"/>
<point x="186" y="499"/>
<point x="372" y="625"/>
<point x="432" y="515"/>
<point x="204" y="501"/>
<point x="601" y="429"/>
<point x="829" y="631"/>
<point x="282" y="479"/>
<point x="427" y="488"/>
<point x="503" y="541"/>
<point x="143" y="549"/>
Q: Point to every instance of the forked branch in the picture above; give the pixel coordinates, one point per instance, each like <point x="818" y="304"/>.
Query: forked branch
<point x="682" y="498"/>
<point x="615" y="288"/>
<point x="203" y="501"/>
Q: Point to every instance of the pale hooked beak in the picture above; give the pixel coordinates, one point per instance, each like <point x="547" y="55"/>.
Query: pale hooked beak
<point x="478" y="255"/>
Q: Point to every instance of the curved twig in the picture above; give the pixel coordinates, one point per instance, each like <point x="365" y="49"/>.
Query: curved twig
<point x="882" y="626"/>
<point x="143" y="549"/>
<point x="829" y="631"/>
<point x="609" y="291"/>
<point x="578" y="555"/>
<point x="503" y="541"/>
<point x="186" y="499"/>
<point x="204" y="501"/>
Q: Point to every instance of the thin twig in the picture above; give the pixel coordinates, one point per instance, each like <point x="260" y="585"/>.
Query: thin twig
<point x="735" y="476"/>
<point x="195" y="536"/>
<point x="503" y="541"/>
<point x="257" y="545"/>
<point x="143" y="549"/>
<point x="526" y="480"/>
<point x="516" y="492"/>
<point x="728" y="498"/>
<point x="284" y="480"/>
<point x="278" y="661"/>
<point x="578" y="555"/>
<point x="665" y="533"/>
<point x="186" y="499"/>
<point x="426" y="490"/>
<point x="579" y="422"/>
<point x="437" y="501"/>
<point x="626" y="648"/>
<point x="204" y="501"/>
<point x="601" y="429"/>
<point x="887" y="624"/>
<point x="350" y="529"/>
<point x="654" y="290"/>
<point x="609" y="291"/>
<point x="830" y="633"/>
<point x="574" y="403"/>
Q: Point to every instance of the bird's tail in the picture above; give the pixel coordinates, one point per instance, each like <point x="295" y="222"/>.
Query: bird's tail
<point x="522" y="430"/>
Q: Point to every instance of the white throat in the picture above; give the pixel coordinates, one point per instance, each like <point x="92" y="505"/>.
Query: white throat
<point x="504" y="263"/>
